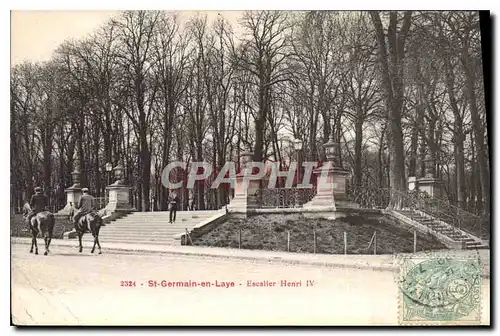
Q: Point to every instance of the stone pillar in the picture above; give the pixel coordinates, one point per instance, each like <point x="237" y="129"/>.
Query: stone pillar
<point x="429" y="183"/>
<point x="331" y="194"/>
<point x="74" y="192"/>
<point x="119" y="194"/>
<point x="244" y="196"/>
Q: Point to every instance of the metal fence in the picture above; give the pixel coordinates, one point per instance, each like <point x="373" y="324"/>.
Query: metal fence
<point x="442" y="210"/>
<point x="369" y="198"/>
<point x="284" y="197"/>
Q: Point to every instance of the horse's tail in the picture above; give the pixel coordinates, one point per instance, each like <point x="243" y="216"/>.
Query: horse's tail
<point x="99" y="220"/>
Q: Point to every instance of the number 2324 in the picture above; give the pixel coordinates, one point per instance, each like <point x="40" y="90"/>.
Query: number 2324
<point x="127" y="283"/>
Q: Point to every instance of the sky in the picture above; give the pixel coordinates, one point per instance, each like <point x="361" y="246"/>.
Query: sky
<point x="36" y="34"/>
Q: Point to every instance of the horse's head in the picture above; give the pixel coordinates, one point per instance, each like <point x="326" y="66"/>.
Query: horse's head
<point x="26" y="210"/>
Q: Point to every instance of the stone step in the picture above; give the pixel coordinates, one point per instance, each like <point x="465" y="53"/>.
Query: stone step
<point x="155" y="223"/>
<point x="473" y="243"/>
<point x="459" y="236"/>
<point x="119" y="233"/>
<point x="438" y="226"/>
<point x="137" y="237"/>
<point x="160" y="219"/>
<point x="446" y="232"/>
<point x="168" y="215"/>
<point x="460" y="239"/>
<point x="150" y="226"/>
<point x="442" y="227"/>
<point x="145" y="229"/>
<point x="467" y="239"/>
<point x="477" y="247"/>
<point x="142" y="234"/>
<point x="131" y="241"/>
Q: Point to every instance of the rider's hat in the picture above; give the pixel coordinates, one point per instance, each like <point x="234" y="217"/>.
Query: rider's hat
<point x="38" y="189"/>
<point x="85" y="190"/>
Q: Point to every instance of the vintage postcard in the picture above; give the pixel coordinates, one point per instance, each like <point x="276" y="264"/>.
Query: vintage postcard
<point x="250" y="168"/>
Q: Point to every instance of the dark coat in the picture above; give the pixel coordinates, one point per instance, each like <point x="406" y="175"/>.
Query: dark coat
<point x="86" y="203"/>
<point x="174" y="203"/>
<point x="38" y="202"/>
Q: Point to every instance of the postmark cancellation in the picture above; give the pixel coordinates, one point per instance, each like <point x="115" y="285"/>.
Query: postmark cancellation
<point x="439" y="290"/>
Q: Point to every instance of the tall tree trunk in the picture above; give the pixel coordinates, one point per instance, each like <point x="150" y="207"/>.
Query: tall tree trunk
<point x="145" y="156"/>
<point x="459" y="136"/>
<point x="478" y="131"/>
<point x="47" y="160"/>
<point x="260" y="124"/>
<point x="357" y="151"/>
<point x="412" y="167"/>
<point x="81" y="152"/>
<point x="391" y="61"/>
<point x="381" y="157"/>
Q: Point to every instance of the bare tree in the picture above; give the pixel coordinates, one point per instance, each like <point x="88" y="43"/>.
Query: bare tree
<point x="391" y="50"/>
<point x="264" y="56"/>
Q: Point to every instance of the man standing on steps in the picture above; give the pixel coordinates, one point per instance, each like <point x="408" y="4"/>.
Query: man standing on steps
<point x="174" y="203"/>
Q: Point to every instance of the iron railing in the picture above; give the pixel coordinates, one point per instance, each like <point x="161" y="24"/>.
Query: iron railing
<point x="442" y="210"/>
<point x="284" y="197"/>
<point x="369" y="198"/>
<point x="382" y="198"/>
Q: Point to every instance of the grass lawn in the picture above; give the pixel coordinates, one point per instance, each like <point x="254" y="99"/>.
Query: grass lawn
<point x="269" y="232"/>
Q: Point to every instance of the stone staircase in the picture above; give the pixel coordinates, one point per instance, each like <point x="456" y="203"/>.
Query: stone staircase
<point x="150" y="227"/>
<point x="471" y="242"/>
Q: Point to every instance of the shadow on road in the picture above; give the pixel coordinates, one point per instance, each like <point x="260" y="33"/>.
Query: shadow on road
<point x="77" y="254"/>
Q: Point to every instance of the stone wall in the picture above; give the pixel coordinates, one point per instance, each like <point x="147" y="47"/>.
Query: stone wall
<point x="19" y="228"/>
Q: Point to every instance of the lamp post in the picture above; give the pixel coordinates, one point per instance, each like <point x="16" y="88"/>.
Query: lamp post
<point x="109" y="168"/>
<point x="100" y="187"/>
<point x="297" y="144"/>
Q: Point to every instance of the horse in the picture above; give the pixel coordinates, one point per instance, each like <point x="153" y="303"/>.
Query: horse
<point x="92" y="223"/>
<point x="43" y="222"/>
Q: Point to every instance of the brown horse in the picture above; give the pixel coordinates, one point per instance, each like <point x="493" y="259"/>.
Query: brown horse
<point x="43" y="222"/>
<point x="92" y="223"/>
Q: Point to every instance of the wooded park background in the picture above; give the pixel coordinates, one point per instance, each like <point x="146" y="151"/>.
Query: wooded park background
<point x="151" y="87"/>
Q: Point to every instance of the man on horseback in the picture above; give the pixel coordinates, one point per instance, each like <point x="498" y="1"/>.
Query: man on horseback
<point x="93" y="222"/>
<point x="38" y="203"/>
<point x="85" y="206"/>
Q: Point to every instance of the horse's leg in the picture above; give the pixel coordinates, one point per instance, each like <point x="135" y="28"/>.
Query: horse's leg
<point x="32" y="240"/>
<point x="36" y="242"/>
<point x="97" y="229"/>
<point x="49" y="239"/>
<point x="50" y="231"/>
<point x="80" y="234"/>
<point x="95" y="241"/>
<point x="46" y="240"/>
<point x="98" y="244"/>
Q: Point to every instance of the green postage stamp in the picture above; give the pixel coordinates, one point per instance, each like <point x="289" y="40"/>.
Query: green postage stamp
<point x="439" y="290"/>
